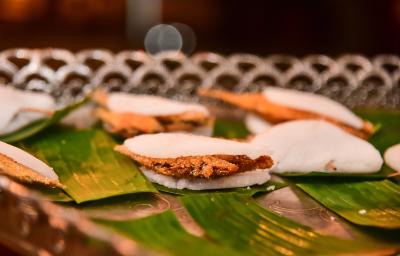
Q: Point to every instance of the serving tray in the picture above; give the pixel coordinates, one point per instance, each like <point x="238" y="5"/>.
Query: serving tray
<point x="31" y="224"/>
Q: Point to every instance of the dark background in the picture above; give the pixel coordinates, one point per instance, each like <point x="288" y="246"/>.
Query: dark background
<point x="282" y="26"/>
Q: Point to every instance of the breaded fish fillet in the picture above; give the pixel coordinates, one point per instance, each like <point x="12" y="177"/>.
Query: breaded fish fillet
<point x="275" y="113"/>
<point x="132" y="124"/>
<point x="128" y="124"/>
<point x="206" y="167"/>
<point x="23" y="173"/>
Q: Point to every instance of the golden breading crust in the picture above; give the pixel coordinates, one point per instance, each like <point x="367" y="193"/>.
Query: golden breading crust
<point x="186" y="121"/>
<point x="209" y="166"/>
<point x="132" y="124"/>
<point x="24" y="174"/>
<point x="274" y="113"/>
<point x="128" y="124"/>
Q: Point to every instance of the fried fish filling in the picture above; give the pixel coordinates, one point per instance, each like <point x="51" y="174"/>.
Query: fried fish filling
<point x="132" y="124"/>
<point x="22" y="173"/>
<point x="207" y="167"/>
<point x="275" y="113"/>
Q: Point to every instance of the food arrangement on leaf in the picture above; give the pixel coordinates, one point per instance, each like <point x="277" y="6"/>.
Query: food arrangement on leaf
<point x="168" y="147"/>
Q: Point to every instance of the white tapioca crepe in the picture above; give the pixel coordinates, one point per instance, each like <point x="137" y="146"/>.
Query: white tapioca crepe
<point x="13" y="102"/>
<point x="162" y="114"/>
<point x="175" y="145"/>
<point x="42" y="172"/>
<point x="307" y="146"/>
<point x="256" y="124"/>
<point x="242" y="179"/>
<point x="149" y="105"/>
<point x="205" y="130"/>
<point x="313" y="103"/>
<point x="392" y="157"/>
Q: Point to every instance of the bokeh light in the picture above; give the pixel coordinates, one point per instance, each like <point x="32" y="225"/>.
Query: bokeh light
<point x="162" y="37"/>
<point x="188" y="37"/>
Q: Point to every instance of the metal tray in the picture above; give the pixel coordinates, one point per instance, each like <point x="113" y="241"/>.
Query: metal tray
<point x="32" y="225"/>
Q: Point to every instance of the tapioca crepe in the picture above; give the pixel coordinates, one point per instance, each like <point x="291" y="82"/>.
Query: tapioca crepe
<point x="392" y="157"/>
<point x="277" y="105"/>
<point x="196" y="162"/>
<point x="242" y="179"/>
<point x="318" y="146"/>
<point x="256" y="124"/>
<point x="22" y="166"/>
<point x="130" y="114"/>
<point x="20" y="108"/>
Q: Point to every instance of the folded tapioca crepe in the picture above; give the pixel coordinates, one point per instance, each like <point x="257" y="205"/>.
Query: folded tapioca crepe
<point x="19" y="108"/>
<point x="24" y="167"/>
<point x="195" y="162"/>
<point x="256" y="124"/>
<point x="392" y="158"/>
<point x="130" y="114"/>
<point x="276" y="105"/>
<point x="318" y="146"/>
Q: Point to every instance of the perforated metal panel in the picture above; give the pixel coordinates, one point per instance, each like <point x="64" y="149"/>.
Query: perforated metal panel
<point x="351" y="79"/>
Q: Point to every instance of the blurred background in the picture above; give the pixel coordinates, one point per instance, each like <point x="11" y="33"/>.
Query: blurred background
<point x="263" y="27"/>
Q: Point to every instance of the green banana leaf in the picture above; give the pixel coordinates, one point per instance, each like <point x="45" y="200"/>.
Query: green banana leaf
<point x="239" y="223"/>
<point x="388" y="134"/>
<point x="250" y="191"/>
<point x="52" y="194"/>
<point x="39" y="125"/>
<point x="367" y="203"/>
<point x="86" y="163"/>
<point x="164" y="233"/>
<point x="230" y="129"/>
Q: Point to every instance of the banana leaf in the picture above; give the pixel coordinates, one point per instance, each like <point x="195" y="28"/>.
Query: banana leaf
<point x="238" y="222"/>
<point x="388" y="134"/>
<point x="230" y="129"/>
<point x="164" y="233"/>
<point x="39" y="125"/>
<point x="86" y="163"/>
<point x="367" y="203"/>
<point x="250" y="191"/>
<point x="52" y="194"/>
